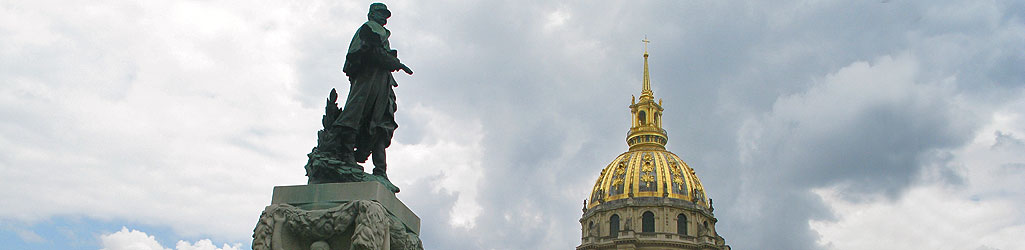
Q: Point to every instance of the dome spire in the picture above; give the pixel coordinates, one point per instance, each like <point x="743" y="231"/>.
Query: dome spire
<point x="646" y="88"/>
<point x="646" y="131"/>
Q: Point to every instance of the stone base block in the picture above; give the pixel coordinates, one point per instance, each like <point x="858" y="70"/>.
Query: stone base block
<point x="336" y="216"/>
<point x="322" y="196"/>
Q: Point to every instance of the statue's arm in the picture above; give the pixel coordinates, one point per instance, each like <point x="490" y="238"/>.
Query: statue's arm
<point x="374" y="52"/>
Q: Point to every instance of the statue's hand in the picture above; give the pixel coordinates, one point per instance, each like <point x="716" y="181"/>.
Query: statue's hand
<point x="407" y="70"/>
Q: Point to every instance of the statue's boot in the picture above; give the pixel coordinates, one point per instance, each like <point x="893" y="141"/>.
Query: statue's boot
<point x="380" y="162"/>
<point x="381" y="166"/>
<point x="379" y="170"/>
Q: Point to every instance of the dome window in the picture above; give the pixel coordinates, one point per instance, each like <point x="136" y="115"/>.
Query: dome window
<point x="614" y="225"/>
<point x="681" y="224"/>
<point x="648" y="222"/>
<point x="705" y="230"/>
<point x="590" y="228"/>
<point x="641" y="117"/>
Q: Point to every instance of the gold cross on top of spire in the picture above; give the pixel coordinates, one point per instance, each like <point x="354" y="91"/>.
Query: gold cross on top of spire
<point x="646" y="41"/>
<point x="646" y="86"/>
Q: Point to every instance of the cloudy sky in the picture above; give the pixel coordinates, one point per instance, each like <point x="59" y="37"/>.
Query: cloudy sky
<point x="813" y="124"/>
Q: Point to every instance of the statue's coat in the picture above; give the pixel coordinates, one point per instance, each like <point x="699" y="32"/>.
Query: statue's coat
<point x="370" y="106"/>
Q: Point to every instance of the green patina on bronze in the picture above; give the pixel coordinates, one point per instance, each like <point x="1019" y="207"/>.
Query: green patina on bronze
<point x="365" y="125"/>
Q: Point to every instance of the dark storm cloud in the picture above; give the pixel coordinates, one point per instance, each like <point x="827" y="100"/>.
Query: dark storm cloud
<point x="868" y="129"/>
<point x="760" y="61"/>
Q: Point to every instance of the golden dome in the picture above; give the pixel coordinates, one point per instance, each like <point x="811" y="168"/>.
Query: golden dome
<point x="648" y="198"/>
<point x="647" y="173"/>
<point x="647" y="169"/>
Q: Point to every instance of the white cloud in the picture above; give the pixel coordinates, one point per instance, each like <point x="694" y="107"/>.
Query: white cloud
<point x="129" y="240"/>
<point x="205" y="244"/>
<point x="926" y="217"/>
<point x="120" y="110"/>
<point x="178" y="112"/>
<point x="556" y="19"/>
<point x="138" y="240"/>
<point x="450" y="154"/>
<point x="29" y="236"/>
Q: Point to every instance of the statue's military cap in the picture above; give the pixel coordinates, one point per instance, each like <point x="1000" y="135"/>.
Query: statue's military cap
<point x="381" y="7"/>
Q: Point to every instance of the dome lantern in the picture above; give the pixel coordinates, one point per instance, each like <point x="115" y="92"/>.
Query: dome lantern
<point x="646" y="130"/>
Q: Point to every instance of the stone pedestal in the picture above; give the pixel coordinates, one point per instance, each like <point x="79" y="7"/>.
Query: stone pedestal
<point x="336" y="216"/>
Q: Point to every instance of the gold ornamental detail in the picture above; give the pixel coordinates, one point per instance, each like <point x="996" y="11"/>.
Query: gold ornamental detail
<point x="647" y="167"/>
<point x="678" y="180"/>
<point x="648" y="178"/>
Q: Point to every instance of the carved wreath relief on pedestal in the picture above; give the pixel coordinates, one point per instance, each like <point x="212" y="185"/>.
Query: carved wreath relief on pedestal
<point x="373" y="227"/>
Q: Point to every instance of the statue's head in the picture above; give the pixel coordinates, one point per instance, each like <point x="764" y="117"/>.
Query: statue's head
<point x="379" y="13"/>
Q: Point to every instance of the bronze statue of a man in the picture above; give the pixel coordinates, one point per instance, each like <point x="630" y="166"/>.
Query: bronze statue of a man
<point x="367" y="121"/>
<point x="365" y="125"/>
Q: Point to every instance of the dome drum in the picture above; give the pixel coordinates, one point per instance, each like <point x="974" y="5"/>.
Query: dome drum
<point x="649" y="201"/>
<point x="650" y="225"/>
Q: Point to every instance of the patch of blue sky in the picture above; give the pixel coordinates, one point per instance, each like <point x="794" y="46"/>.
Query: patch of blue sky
<point x="73" y="232"/>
